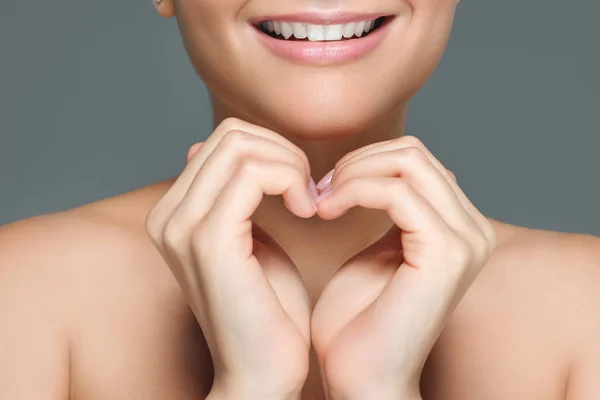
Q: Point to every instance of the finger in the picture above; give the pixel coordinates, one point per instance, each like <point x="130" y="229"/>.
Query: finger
<point x="389" y="145"/>
<point x="223" y="240"/>
<point x="237" y="148"/>
<point x="253" y="179"/>
<point x="413" y="165"/>
<point x="412" y="213"/>
<point x="234" y="124"/>
<point x="165" y="207"/>
<point x="411" y="141"/>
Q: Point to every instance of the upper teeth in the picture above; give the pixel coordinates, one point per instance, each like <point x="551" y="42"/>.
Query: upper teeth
<point x="315" y="33"/>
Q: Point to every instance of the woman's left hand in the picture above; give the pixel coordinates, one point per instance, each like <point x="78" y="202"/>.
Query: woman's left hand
<point x="382" y="312"/>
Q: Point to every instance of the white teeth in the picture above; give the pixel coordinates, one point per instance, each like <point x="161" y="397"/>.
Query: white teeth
<point x="286" y="30"/>
<point x="349" y="30"/>
<point x="300" y="30"/>
<point x="333" y="32"/>
<point x="360" y="28"/>
<point x="315" y="33"/>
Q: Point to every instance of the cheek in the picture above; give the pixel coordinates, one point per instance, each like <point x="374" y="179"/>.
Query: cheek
<point x="208" y="30"/>
<point x="431" y="27"/>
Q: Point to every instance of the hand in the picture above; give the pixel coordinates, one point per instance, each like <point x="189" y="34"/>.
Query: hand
<point x="243" y="289"/>
<point x="378" y="318"/>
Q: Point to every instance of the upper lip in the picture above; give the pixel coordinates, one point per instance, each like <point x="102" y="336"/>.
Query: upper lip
<point x="319" y="18"/>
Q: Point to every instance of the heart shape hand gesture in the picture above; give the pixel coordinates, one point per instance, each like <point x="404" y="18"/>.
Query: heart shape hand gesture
<point x="380" y="314"/>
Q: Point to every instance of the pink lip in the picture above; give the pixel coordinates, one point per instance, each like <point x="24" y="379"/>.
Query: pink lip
<point x="319" y="18"/>
<point x="324" y="53"/>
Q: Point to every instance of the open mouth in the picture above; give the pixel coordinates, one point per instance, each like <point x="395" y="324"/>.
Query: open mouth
<point x="301" y="31"/>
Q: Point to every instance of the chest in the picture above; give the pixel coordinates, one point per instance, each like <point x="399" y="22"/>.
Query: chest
<point x="144" y="343"/>
<point x="162" y="355"/>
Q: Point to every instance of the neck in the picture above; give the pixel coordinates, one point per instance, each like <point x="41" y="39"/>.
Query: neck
<point x="311" y="242"/>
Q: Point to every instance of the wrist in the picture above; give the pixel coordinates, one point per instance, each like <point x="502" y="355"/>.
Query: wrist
<point x="252" y="390"/>
<point x="246" y="395"/>
<point x="374" y="392"/>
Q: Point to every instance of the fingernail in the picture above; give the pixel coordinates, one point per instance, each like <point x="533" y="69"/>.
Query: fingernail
<point x="312" y="190"/>
<point x="325" y="180"/>
<point x="325" y="194"/>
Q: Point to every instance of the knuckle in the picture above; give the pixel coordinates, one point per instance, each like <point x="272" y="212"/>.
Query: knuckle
<point x="399" y="188"/>
<point x="398" y="193"/>
<point x="173" y="236"/>
<point x="234" y="140"/>
<point x="249" y="167"/>
<point x="481" y="245"/>
<point x="413" y="154"/>
<point x="151" y="226"/>
<point x="229" y="124"/>
<point x="412" y="141"/>
<point x="350" y="187"/>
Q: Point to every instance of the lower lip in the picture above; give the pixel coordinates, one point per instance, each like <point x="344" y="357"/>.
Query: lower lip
<point x="324" y="53"/>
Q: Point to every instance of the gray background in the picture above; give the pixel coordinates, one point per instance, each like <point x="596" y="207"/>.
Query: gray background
<point x="98" y="98"/>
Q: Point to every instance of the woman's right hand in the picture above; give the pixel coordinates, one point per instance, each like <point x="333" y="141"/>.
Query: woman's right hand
<point x="244" y="290"/>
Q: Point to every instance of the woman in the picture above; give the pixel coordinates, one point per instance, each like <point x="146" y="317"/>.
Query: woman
<point x="382" y="281"/>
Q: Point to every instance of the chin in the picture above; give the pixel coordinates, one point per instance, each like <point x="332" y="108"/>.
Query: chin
<point x="317" y="104"/>
<point x="322" y="113"/>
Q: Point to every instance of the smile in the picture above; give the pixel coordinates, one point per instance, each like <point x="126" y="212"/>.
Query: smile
<point x="315" y="33"/>
<point x="322" y="41"/>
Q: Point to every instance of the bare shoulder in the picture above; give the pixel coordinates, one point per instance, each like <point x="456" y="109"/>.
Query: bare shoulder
<point x="75" y="240"/>
<point x="546" y="276"/>
<point x="51" y="261"/>
<point x="34" y="310"/>
<point x="567" y="263"/>
<point x="528" y="327"/>
<point x="543" y="288"/>
<point x="563" y="273"/>
<point x="59" y="272"/>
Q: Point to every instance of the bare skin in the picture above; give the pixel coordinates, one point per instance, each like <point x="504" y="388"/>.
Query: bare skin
<point x="90" y="309"/>
<point x="99" y="314"/>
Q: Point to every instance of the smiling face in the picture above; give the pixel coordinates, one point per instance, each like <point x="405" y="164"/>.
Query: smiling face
<point x="299" y="66"/>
